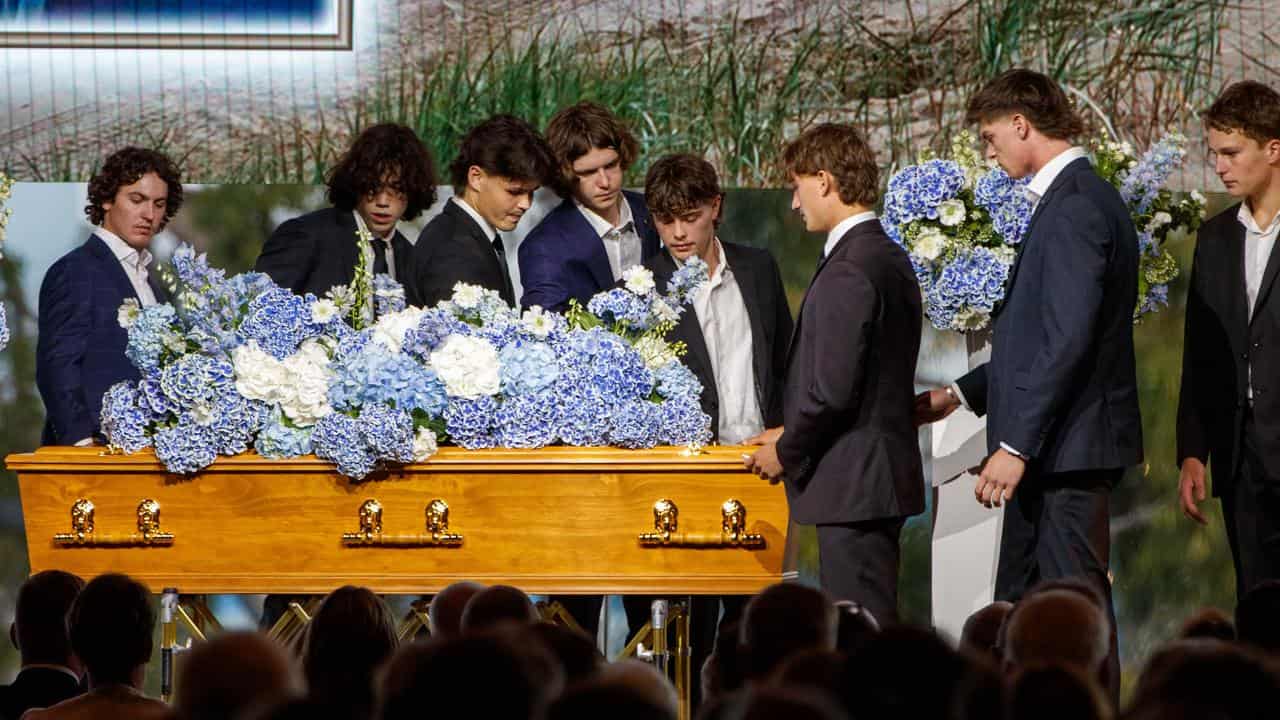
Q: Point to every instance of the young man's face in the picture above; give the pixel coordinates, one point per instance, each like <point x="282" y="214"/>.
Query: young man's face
<point x="1244" y="165"/>
<point x="807" y="198"/>
<point x="598" y="180"/>
<point x="1004" y="140"/>
<point x="692" y="233"/>
<point x="501" y="201"/>
<point x="382" y="209"/>
<point x="136" y="213"/>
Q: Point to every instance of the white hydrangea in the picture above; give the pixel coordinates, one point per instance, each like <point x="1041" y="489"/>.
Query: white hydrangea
<point x="424" y="444"/>
<point x="951" y="212"/>
<point x="638" y="279"/>
<point x="323" y="310"/>
<point x="467" y="296"/>
<point x="655" y="351"/>
<point x="538" y="322"/>
<point x="305" y="399"/>
<point x="929" y="243"/>
<point x="258" y="375"/>
<point x="391" y="328"/>
<point x="1005" y="254"/>
<point x="467" y="366"/>
<point x="128" y="313"/>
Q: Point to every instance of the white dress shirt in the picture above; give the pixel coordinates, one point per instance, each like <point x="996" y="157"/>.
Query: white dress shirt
<point x="726" y="330"/>
<point x="367" y="249"/>
<point x="621" y="243"/>
<point x="1258" y="244"/>
<point x="842" y="227"/>
<point x="134" y="263"/>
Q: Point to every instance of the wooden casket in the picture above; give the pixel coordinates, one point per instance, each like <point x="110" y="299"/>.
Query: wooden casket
<point x="553" y="520"/>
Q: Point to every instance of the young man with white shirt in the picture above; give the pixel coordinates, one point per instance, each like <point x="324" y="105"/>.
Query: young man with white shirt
<point x="1060" y="392"/>
<point x="849" y="456"/>
<point x="80" y="348"/>
<point x="1228" y="410"/>
<point x="582" y="246"/>
<point x="386" y="176"/>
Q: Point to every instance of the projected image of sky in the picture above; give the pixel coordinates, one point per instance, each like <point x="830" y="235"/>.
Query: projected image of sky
<point x="167" y="16"/>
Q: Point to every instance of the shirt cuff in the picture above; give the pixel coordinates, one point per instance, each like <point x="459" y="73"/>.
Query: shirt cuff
<point x="1013" y="451"/>
<point x="955" y="390"/>
<point x="85" y="442"/>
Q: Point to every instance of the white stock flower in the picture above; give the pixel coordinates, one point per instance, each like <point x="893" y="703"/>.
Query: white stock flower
<point x="467" y="296"/>
<point x="1158" y="221"/>
<point x="390" y="328"/>
<point x="655" y="351"/>
<point x="258" y="375"/>
<point x="538" y="322"/>
<point x="929" y="243"/>
<point x="951" y="212"/>
<point x="128" y="313"/>
<point x="467" y="366"/>
<point x="305" y="399"/>
<point x="323" y="310"/>
<point x="638" y="279"/>
<point x="424" y="444"/>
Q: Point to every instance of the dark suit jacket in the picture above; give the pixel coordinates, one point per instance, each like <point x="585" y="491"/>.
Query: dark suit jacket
<point x="850" y="452"/>
<point x="564" y="258"/>
<point x="314" y="252"/>
<point x="1061" y="386"/>
<point x="453" y="248"/>
<point x="766" y="301"/>
<point x="1220" y="343"/>
<point x="36" y="687"/>
<point x="80" y="350"/>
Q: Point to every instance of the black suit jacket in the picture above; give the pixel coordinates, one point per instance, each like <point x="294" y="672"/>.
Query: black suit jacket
<point x="314" y="252"/>
<point x="765" y="298"/>
<point x="36" y="687"/>
<point x="1062" y="386"/>
<point x="850" y="452"/>
<point x="1220" y="343"/>
<point x="453" y="248"/>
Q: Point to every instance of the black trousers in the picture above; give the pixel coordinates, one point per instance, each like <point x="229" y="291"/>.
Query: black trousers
<point x="1251" y="510"/>
<point x="1058" y="525"/>
<point x="859" y="562"/>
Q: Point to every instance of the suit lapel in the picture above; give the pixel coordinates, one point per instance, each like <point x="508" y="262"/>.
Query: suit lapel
<point x="597" y="258"/>
<point x="349" y="244"/>
<point x="650" y="243"/>
<point x="113" y="268"/>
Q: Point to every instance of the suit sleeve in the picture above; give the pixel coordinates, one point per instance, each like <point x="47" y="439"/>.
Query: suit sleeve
<point x="1074" y="266"/>
<point x="1193" y="440"/>
<point x="540" y="272"/>
<point x="973" y="386"/>
<point x="840" y="319"/>
<point x="288" y="255"/>
<point x="66" y="300"/>
<point x="783" y="326"/>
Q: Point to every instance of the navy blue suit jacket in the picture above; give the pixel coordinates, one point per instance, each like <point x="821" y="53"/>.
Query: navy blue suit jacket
<point x="80" y="349"/>
<point x="564" y="258"/>
<point x="1061" y="385"/>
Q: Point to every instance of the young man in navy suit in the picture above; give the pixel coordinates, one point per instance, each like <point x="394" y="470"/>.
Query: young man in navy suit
<point x="1061" y="391"/>
<point x="80" y="349"/>
<point x="582" y="246"/>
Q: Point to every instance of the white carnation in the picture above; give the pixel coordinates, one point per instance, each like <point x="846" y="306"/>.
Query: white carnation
<point x="638" y="279"/>
<point x="322" y="311"/>
<point x="467" y="296"/>
<point x="951" y="213"/>
<point x="128" y="313"/>
<point x="929" y="243"/>
<point x="655" y="351"/>
<point x="424" y="444"/>
<point x="258" y="375"/>
<point x="467" y="366"/>
<point x="538" y="322"/>
<point x="391" y="328"/>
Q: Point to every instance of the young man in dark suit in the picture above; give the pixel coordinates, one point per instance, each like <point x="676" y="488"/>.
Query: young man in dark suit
<point x="1060" y="392"/>
<point x="735" y="333"/>
<point x="1229" y="407"/>
<point x="500" y="163"/>
<point x="50" y="672"/>
<point x="582" y="246"/>
<point x="849" y="455"/>
<point x="386" y="176"/>
<point x="80" y="349"/>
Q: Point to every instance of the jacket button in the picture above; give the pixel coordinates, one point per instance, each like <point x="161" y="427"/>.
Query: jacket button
<point x="1244" y="356"/>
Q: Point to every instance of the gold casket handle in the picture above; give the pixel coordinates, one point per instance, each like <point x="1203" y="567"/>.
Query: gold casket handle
<point x="733" y="529"/>
<point x="84" y="534"/>
<point x="370" y="533"/>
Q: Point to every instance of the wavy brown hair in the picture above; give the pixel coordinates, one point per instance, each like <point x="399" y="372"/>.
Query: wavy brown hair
<point x="1247" y="107"/>
<point x="506" y="146"/>
<point x="678" y="184"/>
<point x="842" y="153"/>
<point x="125" y="167"/>
<point x="386" y="154"/>
<point x="577" y="130"/>
<point x="1031" y="94"/>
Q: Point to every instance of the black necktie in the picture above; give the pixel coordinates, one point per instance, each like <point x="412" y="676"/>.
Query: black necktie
<point x="508" y="292"/>
<point x="380" y="256"/>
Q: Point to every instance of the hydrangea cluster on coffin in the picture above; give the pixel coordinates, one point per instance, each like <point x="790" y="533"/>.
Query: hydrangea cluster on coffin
<point x="239" y="362"/>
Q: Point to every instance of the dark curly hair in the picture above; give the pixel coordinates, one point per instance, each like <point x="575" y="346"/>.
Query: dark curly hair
<point x="506" y="146"/>
<point x="126" y="167"/>
<point x="382" y="152"/>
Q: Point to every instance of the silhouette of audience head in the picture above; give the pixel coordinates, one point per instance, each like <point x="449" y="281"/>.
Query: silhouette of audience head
<point x="784" y="619"/>
<point x="350" y="636"/>
<point x="577" y="655"/>
<point x="39" y="629"/>
<point x="233" y="674"/>
<point x="1209" y="623"/>
<point x="496" y="605"/>
<point x="1055" y="692"/>
<point x="1058" y="627"/>
<point x="445" y="612"/>
<point x="1205" y="678"/>
<point x="110" y="626"/>
<point x="854" y="625"/>
<point x="981" y="632"/>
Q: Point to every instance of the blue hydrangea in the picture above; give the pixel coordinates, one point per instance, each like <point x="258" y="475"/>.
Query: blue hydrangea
<point x="606" y="362"/>
<point x="635" y="424"/>
<point x="151" y="397"/>
<point x="971" y="283"/>
<point x="527" y="367"/>
<point x="675" y="381"/>
<point x="338" y="439"/>
<point x="236" y="420"/>
<point x="4" y="328"/>
<point x="1006" y="202"/>
<point x="147" y="336"/>
<point x="388" y="295"/>
<point x="924" y="275"/>
<point x="584" y="415"/>
<point x="186" y="447"/>
<point x="279" y="321"/>
<point x="916" y="191"/>
<point x="195" y="378"/>
<point x="528" y="421"/>
<point x="387" y="432"/>
<point x="470" y="423"/>
<point x="123" y="421"/>
<point x="682" y="421"/>
<point x="433" y="327"/>
<point x="620" y="306"/>
<point x="1141" y="184"/>
<point x="374" y="374"/>
<point x="279" y="440"/>
<point x="193" y="269"/>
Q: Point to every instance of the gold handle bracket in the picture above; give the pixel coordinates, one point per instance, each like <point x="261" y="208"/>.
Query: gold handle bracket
<point x="83" y="532"/>
<point x="370" y="533"/>
<point x="733" y="534"/>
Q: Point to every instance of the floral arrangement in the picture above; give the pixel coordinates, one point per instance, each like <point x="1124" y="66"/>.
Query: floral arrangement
<point x="6" y="188"/>
<point x="238" y="363"/>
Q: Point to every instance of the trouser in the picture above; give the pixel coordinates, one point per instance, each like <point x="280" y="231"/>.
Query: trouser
<point x="1251" y="511"/>
<point x="859" y="561"/>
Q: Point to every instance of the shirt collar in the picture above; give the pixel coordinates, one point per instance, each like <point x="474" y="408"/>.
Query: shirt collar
<point x="122" y="250"/>
<point x="362" y="228"/>
<point x="602" y="226"/>
<point x="1245" y="216"/>
<point x="488" y="229"/>
<point x="843" y="227"/>
<point x="1040" y="184"/>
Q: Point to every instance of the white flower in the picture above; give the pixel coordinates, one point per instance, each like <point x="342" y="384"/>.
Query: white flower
<point x="424" y="444"/>
<point x="128" y="313"/>
<point x="1159" y="220"/>
<point x="322" y="311"/>
<point x="391" y="328"/>
<point x="258" y="375"/>
<point x="305" y="397"/>
<point x="655" y="351"/>
<point x="1004" y="254"/>
<point x="467" y="366"/>
<point x="638" y="279"/>
<point x="662" y="310"/>
<point x="929" y="243"/>
<point x="951" y="212"/>
<point x="174" y="342"/>
<point x="538" y="322"/>
<point x="202" y="413"/>
<point x="467" y="296"/>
